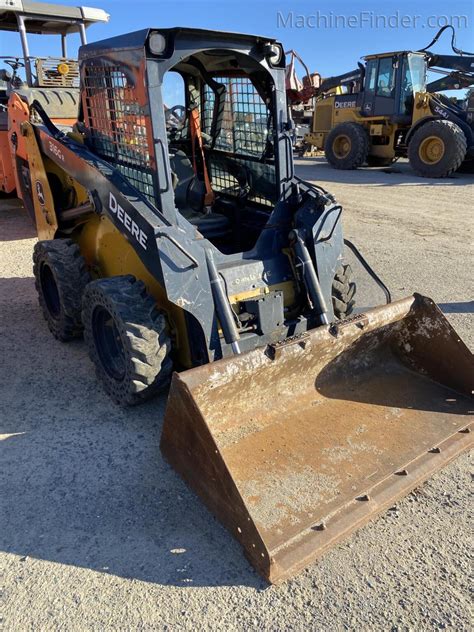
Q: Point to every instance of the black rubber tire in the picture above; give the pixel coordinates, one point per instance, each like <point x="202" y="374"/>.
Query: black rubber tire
<point x="455" y="149"/>
<point x="61" y="276"/>
<point x="343" y="292"/>
<point x="359" y="149"/>
<point x="127" y="339"/>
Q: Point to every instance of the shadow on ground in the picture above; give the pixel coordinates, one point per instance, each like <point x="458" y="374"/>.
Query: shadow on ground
<point x="465" y="307"/>
<point x="16" y="223"/>
<point x="318" y="169"/>
<point x="83" y="481"/>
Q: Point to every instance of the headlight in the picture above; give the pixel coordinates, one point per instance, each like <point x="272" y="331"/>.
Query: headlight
<point x="157" y="43"/>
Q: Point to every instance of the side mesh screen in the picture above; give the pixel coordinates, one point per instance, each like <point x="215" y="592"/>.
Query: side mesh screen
<point x="242" y="140"/>
<point x="119" y="128"/>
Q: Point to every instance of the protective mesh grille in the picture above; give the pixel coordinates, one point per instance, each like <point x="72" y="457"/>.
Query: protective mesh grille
<point x="57" y="72"/>
<point x="119" y="130"/>
<point x="245" y="119"/>
<point x="243" y="134"/>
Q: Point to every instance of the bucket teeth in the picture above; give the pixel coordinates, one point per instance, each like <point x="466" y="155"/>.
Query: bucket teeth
<point x="295" y="446"/>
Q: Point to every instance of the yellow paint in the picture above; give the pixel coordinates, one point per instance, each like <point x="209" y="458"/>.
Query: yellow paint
<point x="45" y="213"/>
<point x="108" y="254"/>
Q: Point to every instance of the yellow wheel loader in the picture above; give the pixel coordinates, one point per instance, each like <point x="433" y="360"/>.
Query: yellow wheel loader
<point x="177" y="237"/>
<point x="385" y="110"/>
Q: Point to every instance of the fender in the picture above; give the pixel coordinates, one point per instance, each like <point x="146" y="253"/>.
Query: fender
<point x="462" y="124"/>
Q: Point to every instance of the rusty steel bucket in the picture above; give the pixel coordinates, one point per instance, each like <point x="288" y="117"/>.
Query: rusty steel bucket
<point x="295" y="445"/>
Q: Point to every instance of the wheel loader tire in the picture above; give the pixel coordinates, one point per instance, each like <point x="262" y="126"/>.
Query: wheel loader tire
<point x="127" y="339"/>
<point x="343" y="292"/>
<point x="347" y="146"/>
<point x="61" y="276"/>
<point x="437" y="149"/>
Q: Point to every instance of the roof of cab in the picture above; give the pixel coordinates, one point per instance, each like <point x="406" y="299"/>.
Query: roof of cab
<point x="137" y="39"/>
<point x="47" y="18"/>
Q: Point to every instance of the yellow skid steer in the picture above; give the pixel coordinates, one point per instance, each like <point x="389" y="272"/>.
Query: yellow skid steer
<point x="178" y="236"/>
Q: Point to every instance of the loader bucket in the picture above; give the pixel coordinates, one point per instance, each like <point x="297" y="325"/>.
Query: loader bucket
<point x="294" y="446"/>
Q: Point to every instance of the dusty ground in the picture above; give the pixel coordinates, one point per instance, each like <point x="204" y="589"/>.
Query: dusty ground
<point x="92" y="519"/>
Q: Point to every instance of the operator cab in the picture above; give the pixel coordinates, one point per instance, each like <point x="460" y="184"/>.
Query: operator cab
<point x="391" y="81"/>
<point x="220" y="143"/>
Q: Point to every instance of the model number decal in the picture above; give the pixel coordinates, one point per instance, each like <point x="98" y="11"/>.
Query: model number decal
<point x="127" y="221"/>
<point x="54" y="149"/>
<point x="440" y="111"/>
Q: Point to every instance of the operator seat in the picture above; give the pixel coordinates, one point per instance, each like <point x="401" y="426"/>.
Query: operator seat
<point x="189" y="198"/>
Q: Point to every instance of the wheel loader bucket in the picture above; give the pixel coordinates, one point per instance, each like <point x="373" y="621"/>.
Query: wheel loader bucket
<point x="294" y="446"/>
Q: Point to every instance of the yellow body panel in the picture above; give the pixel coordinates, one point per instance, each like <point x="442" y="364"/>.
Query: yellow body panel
<point x="45" y="213"/>
<point x="326" y="116"/>
<point x="108" y="253"/>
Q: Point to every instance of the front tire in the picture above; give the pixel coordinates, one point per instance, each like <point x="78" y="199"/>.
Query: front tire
<point x="343" y="292"/>
<point x="61" y="276"/>
<point x="437" y="149"/>
<point x="127" y="339"/>
<point x="347" y="146"/>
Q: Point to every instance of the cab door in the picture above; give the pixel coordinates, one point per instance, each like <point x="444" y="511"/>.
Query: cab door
<point x="380" y="86"/>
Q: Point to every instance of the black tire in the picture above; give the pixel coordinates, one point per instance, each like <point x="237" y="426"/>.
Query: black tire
<point x="448" y="148"/>
<point x="61" y="276"/>
<point x="347" y="146"/>
<point x="127" y="339"/>
<point x="343" y="292"/>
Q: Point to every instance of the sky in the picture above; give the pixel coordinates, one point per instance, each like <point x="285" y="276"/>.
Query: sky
<point x="330" y="36"/>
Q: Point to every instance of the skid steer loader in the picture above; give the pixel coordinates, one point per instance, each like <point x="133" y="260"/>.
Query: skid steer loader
<point x="181" y="237"/>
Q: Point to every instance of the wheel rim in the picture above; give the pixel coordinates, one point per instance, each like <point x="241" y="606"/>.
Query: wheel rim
<point x="108" y="343"/>
<point x="341" y="146"/>
<point x="431" y="150"/>
<point x="50" y="291"/>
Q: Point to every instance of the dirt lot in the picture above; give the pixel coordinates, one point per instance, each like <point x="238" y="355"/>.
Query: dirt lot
<point x="97" y="532"/>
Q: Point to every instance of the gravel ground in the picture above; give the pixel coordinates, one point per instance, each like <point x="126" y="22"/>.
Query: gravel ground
<point x="96" y="530"/>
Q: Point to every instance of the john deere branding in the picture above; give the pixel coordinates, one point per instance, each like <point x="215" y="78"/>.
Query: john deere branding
<point x="345" y="104"/>
<point x="127" y="221"/>
<point x="40" y="192"/>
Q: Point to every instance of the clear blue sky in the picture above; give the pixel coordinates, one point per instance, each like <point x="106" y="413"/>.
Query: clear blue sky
<point x="332" y="48"/>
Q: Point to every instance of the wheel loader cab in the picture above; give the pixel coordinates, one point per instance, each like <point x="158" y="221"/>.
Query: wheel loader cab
<point x="390" y="83"/>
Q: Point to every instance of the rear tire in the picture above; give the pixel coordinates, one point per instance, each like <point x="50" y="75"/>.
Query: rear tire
<point x="437" y="149"/>
<point x="127" y="339"/>
<point x="61" y="276"/>
<point x="347" y="146"/>
<point x="343" y="292"/>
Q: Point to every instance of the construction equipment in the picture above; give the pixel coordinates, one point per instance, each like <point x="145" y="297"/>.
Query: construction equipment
<point x="300" y="96"/>
<point x="182" y="238"/>
<point x="52" y="81"/>
<point x="385" y="109"/>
